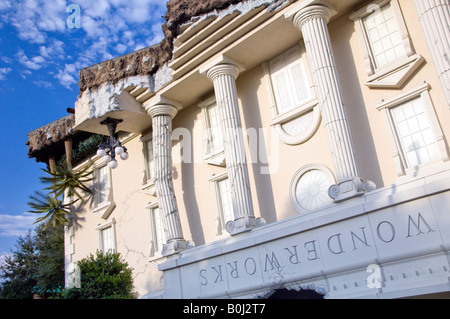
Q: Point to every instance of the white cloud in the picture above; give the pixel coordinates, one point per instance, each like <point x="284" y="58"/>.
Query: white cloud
<point x="54" y="50"/>
<point x="35" y="63"/>
<point x="33" y="19"/>
<point x="43" y="84"/>
<point x="6" y="59"/>
<point x="108" y="28"/>
<point x="25" y="73"/>
<point x="27" y="31"/>
<point x="3" y="256"/>
<point x="4" y="5"/>
<point x="52" y="15"/>
<point x="121" y="48"/>
<point x="16" y="225"/>
<point x="3" y="72"/>
<point x="68" y="76"/>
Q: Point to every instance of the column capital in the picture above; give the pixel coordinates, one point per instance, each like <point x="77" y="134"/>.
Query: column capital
<point x="161" y="109"/>
<point x="222" y="65"/>
<point x="311" y="12"/>
<point x="162" y="106"/>
<point x="222" y="69"/>
<point x="314" y="9"/>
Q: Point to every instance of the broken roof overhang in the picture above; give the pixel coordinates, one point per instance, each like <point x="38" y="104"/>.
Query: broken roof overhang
<point x="49" y="139"/>
<point x="119" y="87"/>
<point x="144" y="73"/>
<point x="149" y="60"/>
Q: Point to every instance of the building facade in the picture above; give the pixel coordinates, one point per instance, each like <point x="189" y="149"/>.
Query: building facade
<point x="282" y="145"/>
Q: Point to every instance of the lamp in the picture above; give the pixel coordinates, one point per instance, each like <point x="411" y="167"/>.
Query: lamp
<point x="108" y="151"/>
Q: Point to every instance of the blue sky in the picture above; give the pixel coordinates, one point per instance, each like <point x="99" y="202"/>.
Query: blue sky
<point x="41" y="53"/>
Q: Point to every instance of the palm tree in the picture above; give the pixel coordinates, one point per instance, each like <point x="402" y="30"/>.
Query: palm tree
<point x="64" y="181"/>
<point x="64" y="178"/>
<point x="55" y="209"/>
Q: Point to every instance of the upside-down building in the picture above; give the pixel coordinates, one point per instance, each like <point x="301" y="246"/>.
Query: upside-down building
<point x="297" y="145"/>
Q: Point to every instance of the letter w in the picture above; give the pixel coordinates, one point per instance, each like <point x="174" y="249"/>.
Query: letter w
<point x="417" y="225"/>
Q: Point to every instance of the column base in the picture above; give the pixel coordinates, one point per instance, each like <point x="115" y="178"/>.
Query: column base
<point x="244" y="224"/>
<point x="350" y="188"/>
<point x="176" y="246"/>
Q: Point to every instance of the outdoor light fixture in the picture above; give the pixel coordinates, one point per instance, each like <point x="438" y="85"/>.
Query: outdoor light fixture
<point x="108" y="151"/>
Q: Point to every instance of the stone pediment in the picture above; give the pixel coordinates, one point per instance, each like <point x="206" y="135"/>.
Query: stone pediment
<point x="395" y="75"/>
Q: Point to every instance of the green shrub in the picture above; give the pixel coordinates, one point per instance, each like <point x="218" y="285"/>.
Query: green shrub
<point x="103" y="276"/>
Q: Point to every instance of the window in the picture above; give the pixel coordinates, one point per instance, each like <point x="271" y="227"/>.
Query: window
<point x="224" y="203"/>
<point x="148" y="174"/>
<point x="309" y="188"/>
<point x="416" y="138"/>
<point x="387" y="48"/>
<point x="101" y="185"/>
<point x="215" y="133"/>
<point x="288" y="80"/>
<point x="102" y="194"/>
<point x="149" y="159"/>
<point x="295" y="111"/>
<point x="158" y="234"/>
<point x="214" y="151"/>
<point x="384" y="36"/>
<point x="415" y="133"/>
<point x="107" y="236"/>
<point x="107" y="239"/>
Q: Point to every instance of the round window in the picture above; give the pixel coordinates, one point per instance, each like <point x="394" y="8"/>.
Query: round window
<point x="309" y="188"/>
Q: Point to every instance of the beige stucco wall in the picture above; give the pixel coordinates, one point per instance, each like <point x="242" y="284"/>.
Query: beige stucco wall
<point x="370" y="135"/>
<point x="270" y="192"/>
<point x="132" y="221"/>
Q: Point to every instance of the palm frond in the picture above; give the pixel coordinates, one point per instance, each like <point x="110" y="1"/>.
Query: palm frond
<point x="66" y="179"/>
<point x="56" y="212"/>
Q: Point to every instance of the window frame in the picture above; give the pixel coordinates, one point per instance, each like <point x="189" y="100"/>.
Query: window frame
<point x="385" y="108"/>
<point x="309" y="104"/>
<point x="211" y="155"/>
<point x="154" y="252"/>
<point x="397" y="72"/>
<point x="104" y="208"/>
<point x="148" y="178"/>
<point x="101" y="228"/>
<point x="220" y="217"/>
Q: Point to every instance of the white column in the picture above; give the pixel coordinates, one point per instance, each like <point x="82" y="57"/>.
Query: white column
<point x="223" y="76"/>
<point x="434" y="16"/>
<point x="312" y="21"/>
<point x="162" y="115"/>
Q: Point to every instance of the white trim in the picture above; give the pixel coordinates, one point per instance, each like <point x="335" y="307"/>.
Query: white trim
<point x="213" y="156"/>
<point x="421" y="91"/>
<point x="155" y="256"/>
<point x="306" y="106"/>
<point x="103" y="209"/>
<point x="215" y="179"/>
<point x="101" y="227"/>
<point x="396" y="73"/>
<point x="148" y="183"/>
<point x="296" y="178"/>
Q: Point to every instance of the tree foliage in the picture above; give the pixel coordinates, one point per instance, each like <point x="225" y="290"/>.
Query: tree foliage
<point x="104" y="276"/>
<point x="56" y="212"/>
<point x="35" y="266"/>
<point x="63" y="183"/>
<point x="65" y="180"/>
<point x="50" y="271"/>
<point x="19" y="270"/>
